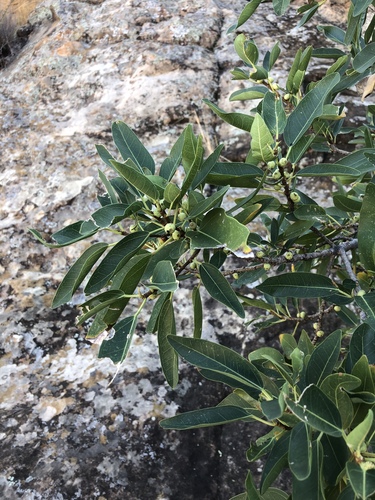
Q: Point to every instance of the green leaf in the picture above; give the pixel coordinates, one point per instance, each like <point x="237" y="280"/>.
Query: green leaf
<point x="114" y="213"/>
<point x="311" y="487"/>
<point x="364" y="59"/>
<point x="137" y="179"/>
<point x="219" y="360"/>
<point x="300" y="451"/>
<point x="118" y="346"/>
<point x="247" y="12"/>
<point x="357" y="437"/>
<point x="280" y="6"/>
<point x="298" y="285"/>
<point x="262" y="141"/>
<point x="366" y="233"/>
<point x="238" y="120"/>
<point x="168" y="356"/>
<point x="361" y="480"/>
<point x="276" y="461"/>
<point x="324" y="358"/>
<point x="357" y="161"/>
<point x="131" y="147"/>
<point x="313" y="213"/>
<point x="110" y="190"/>
<point x="288" y="343"/>
<point x="68" y="235"/>
<point x="255" y="92"/>
<point x="346" y="203"/>
<point x="246" y="50"/>
<point x="206" y="417"/>
<point x="153" y="323"/>
<point x="334" y="387"/>
<point x="77" y="273"/>
<point x="208" y="203"/>
<point x="235" y="174"/>
<point x="316" y="410"/>
<point x="273" y="114"/>
<point x="171" y="252"/>
<point x="172" y="162"/>
<point x="362" y="341"/>
<point x="198" y="313"/>
<point x="360" y="6"/>
<point x="98" y="303"/>
<point x="219" y="289"/>
<point x="333" y="33"/>
<point x="335" y="454"/>
<point x="105" y="155"/>
<point x="207" y="166"/>
<point x="275" y="494"/>
<point x="115" y="259"/>
<point x="218" y="230"/>
<point x="164" y="278"/>
<point x="309" y="108"/>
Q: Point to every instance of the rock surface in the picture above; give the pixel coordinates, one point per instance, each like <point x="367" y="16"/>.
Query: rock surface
<point x="66" y="433"/>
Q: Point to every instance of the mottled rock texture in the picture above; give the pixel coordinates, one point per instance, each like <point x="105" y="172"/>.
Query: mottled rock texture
<point x="67" y="434"/>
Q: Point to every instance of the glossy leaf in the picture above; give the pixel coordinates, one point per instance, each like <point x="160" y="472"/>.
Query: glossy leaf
<point x="118" y="346"/>
<point x="238" y="120"/>
<point x="276" y="461"/>
<point x="137" y="179"/>
<point x="273" y="113"/>
<point x="206" y="417"/>
<point x="208" y="165"/>
<point x="234" y="174"/>
<point x="77" y="273"/>
<point x="246" y="13"/>
<point x="168" y="356"/>
<point x="219" y="289"/>
<point x="172" y="162"/>
<point x="218" y="359"/>
<point x="365" y="59"/>
<point x="309" y="108"/>
<point x="164" y="278"/>
<point x="366" y="233"/>
<point x="362" y="341"/>
<point x="280" y="6"/>
<point x="198" y="313"/>
<point x="131" y="147"/>
<point x="68" y="235"/>
<point x="316" y="410"/>
<point x="115" y="259"/>
<point x="262" y="141"/>
<point x="97" y="303"/>
<point x="334" y="387"/>
<point x="311" y="487"/>
<point x="335" y="453"/>
<point x="300" y="451"/>
<point x="217" y="230"/>
<point x="208" y="203"/>
<point x="361" y="480"/>
<point x="298" y="285"/>
<point x="323" y="359"/>
<point x="357" y="437"/>
<point x="255" y="92"/>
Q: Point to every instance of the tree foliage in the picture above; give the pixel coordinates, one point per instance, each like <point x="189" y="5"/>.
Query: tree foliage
<point x="315" y="396"/>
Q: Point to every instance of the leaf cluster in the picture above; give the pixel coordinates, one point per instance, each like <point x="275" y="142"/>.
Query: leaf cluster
<point x="316" y="395"/>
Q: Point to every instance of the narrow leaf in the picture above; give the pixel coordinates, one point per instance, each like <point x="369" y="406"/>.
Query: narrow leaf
<point x="77" y="273"/>
<point x="168" y="356"/>
<point x="309" y="108"/>
<point x="131" y="147"/>
<point x="219" y="289"/>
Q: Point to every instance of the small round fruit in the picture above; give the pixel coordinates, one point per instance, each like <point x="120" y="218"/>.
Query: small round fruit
<point x="319" y="333"/>
<point x="361" y="293"/>
<point x="235" y="276"/>
<point x="295" y="197"/>
<point x="276" y="175"/>
<point x="286" y="97"/>
<point x="302" y="314"/>
<point x="181" y="216"/>
<point x="337" y="308"/>
<point x="169" y="228"/>
<point x="176" y="235"/>
<point x="266" y="266"/>
<point x="260" y="254"/>
<point x="271" y="164"/>
<point x="274" y="86"/>
<point x="288" y="255"/>
<point x="283" y="162"/>
<point x="156" y="212"/>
